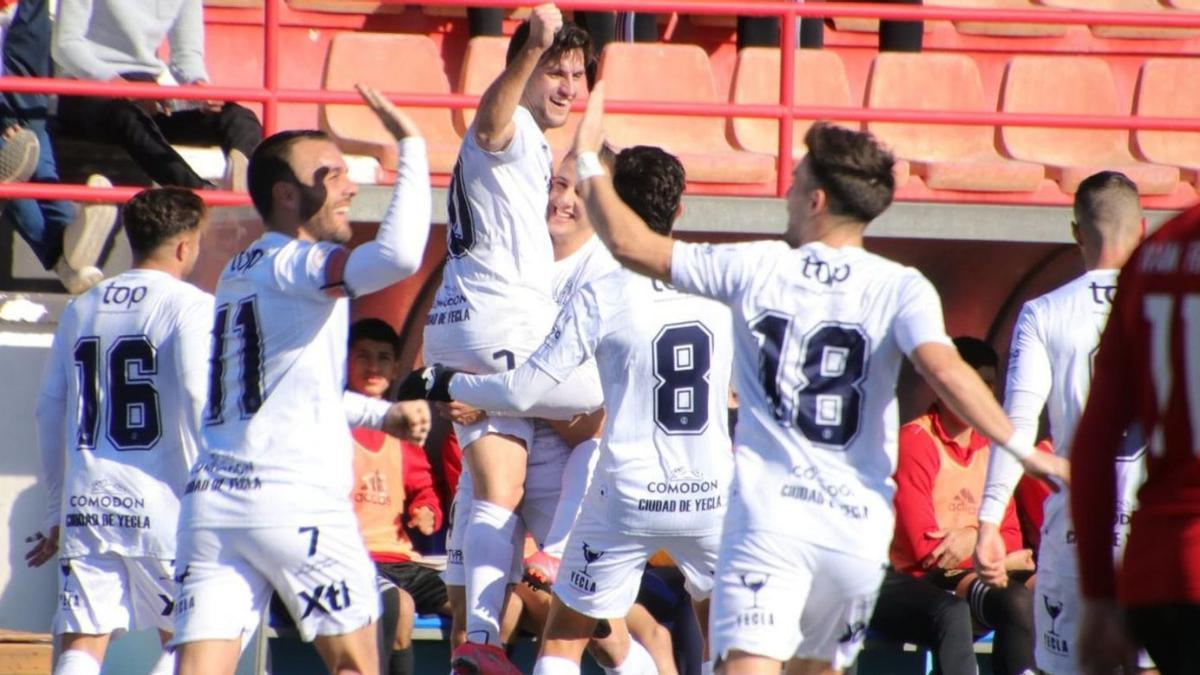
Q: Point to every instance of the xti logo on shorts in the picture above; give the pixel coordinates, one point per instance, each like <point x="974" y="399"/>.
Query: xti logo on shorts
<point x="1053" y="641"/>
<point x="854" y="632"/>
<point x="168" y="604"/>
<point x="328" y="599"/>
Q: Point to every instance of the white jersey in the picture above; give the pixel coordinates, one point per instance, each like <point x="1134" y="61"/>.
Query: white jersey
<point x="590" y="262"/>
<point x="1053" y="346"/>
<point x="277" y="446"/>
<point x="821" y="333"/>
<point x="126" y="382"/>
<point x="497" y="278"/>
<point x="665" y="460"/>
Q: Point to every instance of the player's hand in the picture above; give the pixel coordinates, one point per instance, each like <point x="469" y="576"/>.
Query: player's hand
<point x="422" y="520"/>
<point x="431" y="383"/>
<point x="544" y="22"/>
<point x="1104" y="645"/>
<point x="989" y="556"/>
<point x="408" y="420"/>
<point x="44" y="547"/>
<point x="460" y="413"/>
<point x="1020" y="561"/>
<point x="589" y="135"/>
<point x="955" y="546"/>
<point x="395" y="120"/>
<point x="1049" y="468"/>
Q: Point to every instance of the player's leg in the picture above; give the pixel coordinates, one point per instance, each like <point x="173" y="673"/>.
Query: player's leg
<point x="566" y="636"/>
<point x="94" y="601"/>
<point x="81" y="654"/>
<point x="1009" y="612"/>
<point x="152" y="602"/>
<point x="576" y="478"/>
<point x="839" y="605"/>
<point x="653" y="637"/>
<point x="352" y="653"/>
<point x="401" y="661"/>
<point x="916" y="611"/>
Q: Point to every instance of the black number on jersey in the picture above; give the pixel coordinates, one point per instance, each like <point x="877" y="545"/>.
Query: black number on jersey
<point x="133" y="421"/>
<point x="460" y="232"/>
<point x="245" y="326"/>
<point x="825" y="402"/>
<point x="682" y="361"/>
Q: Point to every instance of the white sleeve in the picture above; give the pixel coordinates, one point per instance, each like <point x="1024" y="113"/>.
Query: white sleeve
<point x="1026" y="391"/>
<point x="919" y="317"/>
<point x="717" y="271"/>
<point x="364" y="411"/>
<point x="579" y="393"/>
<point x="570" y="344"/>
<point x="51" y="428"/>
<point x="192" y="360"/>
<point x="398" y="247"/>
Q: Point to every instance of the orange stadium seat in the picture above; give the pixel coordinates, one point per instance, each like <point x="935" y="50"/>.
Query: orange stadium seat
<point x="250" y="4"/>
<point x="947" y="157"/>
<point x="682" y="73"/>
<point x="1000" y="28"/>
<point x="1139" y="32"/>
<point x="1079" y="85"/>
<point x="863" y="25"/>
<point x="1158" y="96"/>
<point x="348" y="6"/>
<point x="356" y="57"/>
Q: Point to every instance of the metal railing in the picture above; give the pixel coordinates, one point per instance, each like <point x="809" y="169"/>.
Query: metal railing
<point x="271" y="95"/>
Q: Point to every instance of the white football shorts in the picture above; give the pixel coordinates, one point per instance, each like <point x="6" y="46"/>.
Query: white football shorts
<point x="103" y="594"/>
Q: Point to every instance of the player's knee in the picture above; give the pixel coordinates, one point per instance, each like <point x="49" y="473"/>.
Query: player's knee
<point x="952" y="616"/>
<point x="404" y="626"/>
<point x="1018" y="606"/>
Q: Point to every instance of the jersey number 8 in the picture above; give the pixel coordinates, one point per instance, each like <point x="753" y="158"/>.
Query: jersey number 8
<point x="682" y="361"/>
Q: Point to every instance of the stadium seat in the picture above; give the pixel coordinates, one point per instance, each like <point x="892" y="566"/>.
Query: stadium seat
<point x="356" y="57"/>
<point x="682" y="73"/>
<point x="864" y="25"/>
<point x="1000" y="28"/>
<point x="249" y="4"/>
<point x="347" y="6"/>
<point x="1137" y="32"/>
<point x="454" y="11"/>
<point x="820" y="80"/>
<point x="1158" y="96"/>
<point x="947" y="157"/>
<point x="482" y="63"/>
<point x="1073" y="85"/>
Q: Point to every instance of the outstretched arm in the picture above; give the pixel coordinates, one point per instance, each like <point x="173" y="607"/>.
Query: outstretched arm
<point x="625" y="234"/>
<point x="494" y="120"/>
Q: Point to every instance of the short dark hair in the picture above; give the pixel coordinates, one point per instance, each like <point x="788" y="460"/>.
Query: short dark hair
<point x="156" y="215"/>
<point x="853" y="169"/>
<point x="651" y="181"/>
<point x="1107" y="198"/>
<point x="568" y="39"/>
<point x="376" y="330"/>
<point x="270" y="164"/>
<point x="977" y="353"/>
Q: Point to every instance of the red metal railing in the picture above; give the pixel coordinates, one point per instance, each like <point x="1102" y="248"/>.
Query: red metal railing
<point x="270" y="95"/>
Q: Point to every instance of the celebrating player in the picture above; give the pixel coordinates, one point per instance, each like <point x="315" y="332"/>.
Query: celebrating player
<point x="266" y="506"/>
<point x="821" y="328"/>
<point x="118" y="425"/>
<point x="1052" y="350"/>
<point x="495" y="305"/>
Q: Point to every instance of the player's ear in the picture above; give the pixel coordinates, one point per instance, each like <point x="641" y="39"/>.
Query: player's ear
<point x="284" y="195"/>
<point x="818" y="200"/>
<point x="1075" y="233"/>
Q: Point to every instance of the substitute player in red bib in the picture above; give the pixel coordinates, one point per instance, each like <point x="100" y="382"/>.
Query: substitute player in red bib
<point x="1147" y="374"/>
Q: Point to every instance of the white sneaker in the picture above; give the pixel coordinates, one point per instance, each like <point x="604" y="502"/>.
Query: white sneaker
<point x="85" y="237"/>
<point x="77" y="281"/>
<point x="236" y="165"/>
<point x="19" y="156"/>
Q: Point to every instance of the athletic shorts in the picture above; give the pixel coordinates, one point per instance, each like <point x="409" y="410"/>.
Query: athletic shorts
<point x="422" y="583"/>
<point x="103" y="594"/>
<point x="782" y="597"/>
<point x="1057" y="612"/>
<point x="602" y="570"/>
<point x="321" y="573"/>
<point x="484" y="361"/>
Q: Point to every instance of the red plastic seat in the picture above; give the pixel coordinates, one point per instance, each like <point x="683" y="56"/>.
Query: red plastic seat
<point x="1000" y="28"/>
<point x="347" y="6"/>
<point x="246" y="4"/>
<point x="1078" y="85"/>
<point x="1158" y="95"/>
<point x="681" y="73"/>
<point x="947" y="157"/>
<point x="1136" y="32"/>
<point x="356" y="57"/>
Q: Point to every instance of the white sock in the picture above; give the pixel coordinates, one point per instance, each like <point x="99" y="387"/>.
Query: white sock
<point x="577" y="476"/>
<point x="555" y="665"/>
<point x="488" y="559"/>
<point x="637" y="662"/>
<point x="165" y="665"/>
<point x="76" y="662"/>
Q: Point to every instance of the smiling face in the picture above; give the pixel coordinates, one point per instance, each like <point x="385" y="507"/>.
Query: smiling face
<point x="552" y="88"/>
<point x="371" y="367"/>
<point x="565" y="212"/>
<point x="322" y="199"/>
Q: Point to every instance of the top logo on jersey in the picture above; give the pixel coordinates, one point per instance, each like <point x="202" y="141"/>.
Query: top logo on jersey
<point x="115" y="294"/>
<point x="823" y="272"/>
<point x="244" y="260"/>
<point x="1102" y="294"/>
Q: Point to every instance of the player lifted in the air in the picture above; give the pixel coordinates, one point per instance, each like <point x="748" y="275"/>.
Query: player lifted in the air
<point x="118" y="425"/>
<point x="267" y="506"/>
<point x="1053" y="348"/>
<point x="495" y="303"/>
<point x="821" y="327"/>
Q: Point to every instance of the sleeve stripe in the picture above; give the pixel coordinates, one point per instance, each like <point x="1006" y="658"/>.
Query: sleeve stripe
<point x="335" y="272"/>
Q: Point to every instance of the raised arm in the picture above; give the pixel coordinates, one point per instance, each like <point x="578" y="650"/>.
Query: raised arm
<point x="494" y="120"/>
<point x="626" y="235"/>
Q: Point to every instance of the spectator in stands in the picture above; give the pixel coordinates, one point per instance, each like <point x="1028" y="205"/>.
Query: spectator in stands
<point x="393" y="490"/>
<point x="64" y="239"/>
<point x="940" y="474"/>
<point x="118" y="40"/>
